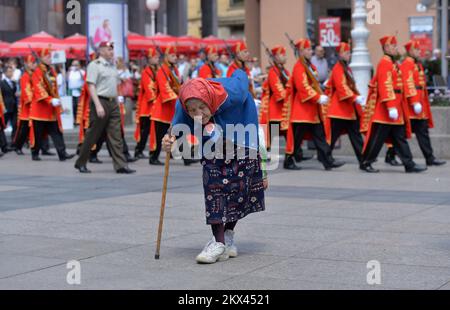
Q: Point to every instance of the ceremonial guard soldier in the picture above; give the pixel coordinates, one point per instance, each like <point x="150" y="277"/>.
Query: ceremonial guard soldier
<point x="168" y="82"/>
<point x="148" y="93"/>
<point x="209" y="70"/>
<point x="46" y="109"/>
<point x="387" y="116"/>
<point x="241" y="55"/>
<point x="345" y="107"/>
<point x="418" y="101"/>
<point x="26" y="97"/>
<point x="305" y="107"/>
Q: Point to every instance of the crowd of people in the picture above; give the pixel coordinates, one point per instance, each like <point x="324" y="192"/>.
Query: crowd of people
<point x="30" y="104"/>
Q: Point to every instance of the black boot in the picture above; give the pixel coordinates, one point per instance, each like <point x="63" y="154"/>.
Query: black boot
<point x="390" y="158"/>
<point x="66" y="156"/>
<point x="368" y="168"/>
<point x="94" y="160"/>
<point x="130" y="159"/>
<point x="415" y="169"/>
<point x="35" y="157"/>
<point x="289" y="163"/>
<point x="155" y="162"/>
<point x="436" y="162"/>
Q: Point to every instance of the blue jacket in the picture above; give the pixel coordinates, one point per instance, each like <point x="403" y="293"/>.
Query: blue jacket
<point x="238" y="109"/>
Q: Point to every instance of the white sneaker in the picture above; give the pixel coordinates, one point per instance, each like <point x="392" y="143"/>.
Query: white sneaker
<point x="213" y="252"/>
<point x="229" y="243"/>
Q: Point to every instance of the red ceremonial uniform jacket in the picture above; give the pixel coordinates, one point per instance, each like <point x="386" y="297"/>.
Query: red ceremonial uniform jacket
<point x="83" y="111"/>
<point x="41" y="106"/>
<point x="147" y="94"/>
<point x="26" y="96"/>
<point x="277" y="86"/>
<point x="305" y="107"/>
<point x="390" y="92"/>
<point x="208" y="71"/>
<point x="386" y="91"/>
<point x="168" y="83"/>
<point x="415" y="88"/>
<point x="343" y="97"/>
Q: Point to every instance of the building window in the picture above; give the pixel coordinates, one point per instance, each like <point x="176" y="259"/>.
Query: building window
<point x="236" y="3"/>
<point x="11" y="16"/>
<point x="14" y="3"/>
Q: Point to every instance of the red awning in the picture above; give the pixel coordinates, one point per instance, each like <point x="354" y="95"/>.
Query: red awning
<point x="37" y="42"/>
<point x="221" y="44"/>
<point x="76" y="46"/>
<point x="138" y="45"/>
<point x="4" y="48"/>
<point x="215" y="41"/>
<point x="163" y="40"/>
<point x="189" y="44"/>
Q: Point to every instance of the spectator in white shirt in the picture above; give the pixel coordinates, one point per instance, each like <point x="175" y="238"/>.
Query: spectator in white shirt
<point x="17" y="74"/>
<point x="75" y="80"/>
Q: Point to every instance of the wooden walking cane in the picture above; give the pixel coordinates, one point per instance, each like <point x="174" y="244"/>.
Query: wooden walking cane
<point x="163" y="204"/>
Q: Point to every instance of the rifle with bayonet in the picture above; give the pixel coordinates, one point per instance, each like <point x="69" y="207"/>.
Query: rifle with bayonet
<point x="309" y="73"/>
<point x="48" y="83"/>
<point x="350" y="80"/>
<point x="282" y="75"/>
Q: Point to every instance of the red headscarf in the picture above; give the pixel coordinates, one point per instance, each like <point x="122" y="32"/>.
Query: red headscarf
<point x="212" y="93"/>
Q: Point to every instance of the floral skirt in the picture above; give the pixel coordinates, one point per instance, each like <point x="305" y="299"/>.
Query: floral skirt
<point x="233" y="189"/>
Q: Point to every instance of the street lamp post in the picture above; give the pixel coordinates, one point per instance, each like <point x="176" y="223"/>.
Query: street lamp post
<point x="444" y="38"/>
<point x="361" y="64"/>
<point x="153" y="6"/>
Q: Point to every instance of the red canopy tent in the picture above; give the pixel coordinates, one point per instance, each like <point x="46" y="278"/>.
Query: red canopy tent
<point x="37" y="42"/>
<point x="221" y="44"/>
<point x="189" y="44"/>
<point x="215" y="41"/>
<point x="138" y="45"/>
<point x="234" y="41"/>
<point x="4" y="48"/>
<point x="76" y="46"/>
<point x="163" y="40"/>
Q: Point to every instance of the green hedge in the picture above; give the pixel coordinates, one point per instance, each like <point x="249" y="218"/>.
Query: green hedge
<point x="440" y="102"/>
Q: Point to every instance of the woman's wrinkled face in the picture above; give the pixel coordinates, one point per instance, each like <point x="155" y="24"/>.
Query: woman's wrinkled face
<point x="198" y="111"/>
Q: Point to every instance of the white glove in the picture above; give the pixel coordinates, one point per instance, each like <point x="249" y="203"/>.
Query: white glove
<point x="121" y="99"/>
<point x="418" y="108"/>
<point x="361" y="100"/>
<point x="56" y="102"/>
<point x="323" y="100"/>
<point x="393" y="114"/>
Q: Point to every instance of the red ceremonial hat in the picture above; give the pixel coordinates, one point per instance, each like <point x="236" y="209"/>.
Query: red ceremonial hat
<point x="106" y="44"/>
<point x="278" y="49"/>
<point x="412" y="44"/>
<point x="388" y="40"/>
<point x="171" y="49"/>
<point x="29" y="59"/>
<point x="343" y="47"/>
<point x="211" y="50"/>
<point x="303" y="43"/>
<point x="239" y="47"/>
<point x="152" y="52"/>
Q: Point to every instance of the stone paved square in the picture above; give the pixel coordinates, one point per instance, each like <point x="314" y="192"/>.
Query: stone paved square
<point x="320" y="229"/>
